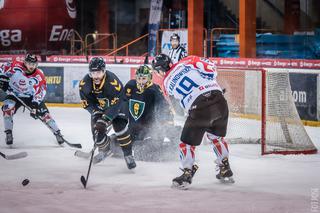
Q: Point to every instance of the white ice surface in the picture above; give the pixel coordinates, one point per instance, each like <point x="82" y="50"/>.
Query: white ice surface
<point x="271" y="183"/>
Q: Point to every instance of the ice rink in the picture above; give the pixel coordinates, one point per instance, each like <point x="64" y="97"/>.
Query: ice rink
<point x="272" y="183"/>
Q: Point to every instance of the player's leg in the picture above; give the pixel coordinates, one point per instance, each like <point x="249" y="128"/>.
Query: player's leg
<point x="101" y="139"/>
<point x="218" y="114"/>
<point x="121" y="127"/>
<point x="220" y="148"/>
<point x="8" y="110"/>
<point x="46" y="117"/>
<point x="191" y="137"/>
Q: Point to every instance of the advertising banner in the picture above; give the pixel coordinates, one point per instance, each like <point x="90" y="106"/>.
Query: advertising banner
<point x="54" y="78"/>
<point x="154" y="22"/>
<point x="304" y="93"/>
<point x="165" y="40"/>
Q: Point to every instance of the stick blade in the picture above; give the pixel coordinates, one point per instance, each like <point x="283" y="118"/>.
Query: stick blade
<point x="74" y="145"/>
<point x="83" y="181"/>
<point x="17" y="156"/>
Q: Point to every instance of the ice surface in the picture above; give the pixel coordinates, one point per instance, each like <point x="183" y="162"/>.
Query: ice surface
<point x="271" y="183"/>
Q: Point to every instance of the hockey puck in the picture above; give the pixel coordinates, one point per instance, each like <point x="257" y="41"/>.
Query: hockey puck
<point x="25" y="182"/>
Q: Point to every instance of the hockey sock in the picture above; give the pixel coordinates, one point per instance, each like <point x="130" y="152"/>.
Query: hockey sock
<point x="187" y="155"/>
<point x="219" y="146"/>
<point x="50" y="122"/>
<point x="8" y="111"/>
<point x="124" y="140"/>
<point x="103" y="142"/>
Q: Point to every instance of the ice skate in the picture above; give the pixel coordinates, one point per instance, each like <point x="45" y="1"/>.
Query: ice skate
<point x="225" y="174"/>
<point x="59" y="137"/>
<point x="101" y="156"/>
<point x="183" y="181"/>
<point x="131" y="164"/>
<point x="9" y="138"/>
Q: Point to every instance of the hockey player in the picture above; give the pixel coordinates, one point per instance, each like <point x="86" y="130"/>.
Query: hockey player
<point x="193" y="82"/>
<point x="151" y="120"/>
<point x="102" y="95"/>
<point x="27" y="82"/>
<point x="177" y="52"/>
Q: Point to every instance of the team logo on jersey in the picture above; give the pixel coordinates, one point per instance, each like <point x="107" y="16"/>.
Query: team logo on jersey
<point x="136" y="108"/>
<point x="128" y="93"/>
<point x="103" y="103"/>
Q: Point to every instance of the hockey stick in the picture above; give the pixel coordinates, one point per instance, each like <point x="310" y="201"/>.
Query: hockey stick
<point x="84" y="180"/>
<point x="14" y="156"/>
<point x="86" y="155"/>
<point x="75" y="145"/>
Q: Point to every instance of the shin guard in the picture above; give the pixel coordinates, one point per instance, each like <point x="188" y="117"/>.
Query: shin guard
<point x="219" y="146"/>
<point x="124" y="140"/>
<point x="187" y="155"/>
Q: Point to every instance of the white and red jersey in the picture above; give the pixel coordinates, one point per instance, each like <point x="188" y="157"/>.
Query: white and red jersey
<point x="189" y="78"/>
<point x="23" y="85"/>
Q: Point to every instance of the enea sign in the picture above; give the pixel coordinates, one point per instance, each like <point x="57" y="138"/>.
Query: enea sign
<point x="36" y="25"/>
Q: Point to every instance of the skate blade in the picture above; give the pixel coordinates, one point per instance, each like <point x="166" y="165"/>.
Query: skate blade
<point x="183" y="186"/>
<point x="227" y="180"/>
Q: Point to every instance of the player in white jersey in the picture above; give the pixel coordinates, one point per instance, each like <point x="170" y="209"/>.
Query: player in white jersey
<point x="193" y="82"/>
<point x="27" y="84"/>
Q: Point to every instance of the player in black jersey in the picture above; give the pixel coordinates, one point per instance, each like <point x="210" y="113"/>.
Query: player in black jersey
<point x="103" y="96"/>
<point x="150" y="118"/>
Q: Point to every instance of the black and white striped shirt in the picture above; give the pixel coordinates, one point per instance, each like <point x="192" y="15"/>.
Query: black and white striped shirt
<point x="177" y="54"/>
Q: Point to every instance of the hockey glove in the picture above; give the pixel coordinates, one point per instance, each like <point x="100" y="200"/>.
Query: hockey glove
<point x="96" y="114"/>
<point x="4" y="83"/>
<point x="35" y="111"/>
<point x="102" y="124"/>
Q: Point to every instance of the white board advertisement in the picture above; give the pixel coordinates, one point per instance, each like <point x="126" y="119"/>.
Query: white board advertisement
<point x="165" y="40"/>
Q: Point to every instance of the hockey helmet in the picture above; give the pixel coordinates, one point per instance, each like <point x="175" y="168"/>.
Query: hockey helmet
<point x="161" y="62"/>
<point x="97" y="69"/>
<point x="143" y="77"/>
<point x="97" y="64"/>
<point x="175" y="36"/>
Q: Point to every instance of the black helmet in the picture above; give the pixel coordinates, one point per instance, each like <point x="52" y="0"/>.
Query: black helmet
<point x="175" y="36"/>
<point x="97" y="64"/>
<point x="161" y="63"/>
<point x="31" y="58"/>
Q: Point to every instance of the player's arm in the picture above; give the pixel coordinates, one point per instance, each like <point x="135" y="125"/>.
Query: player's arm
<point x="4" y="79"/>
<point x="40" y="88"/>
<point x="118" y="97"/>
<point x="183" y="53"/>
<point x="87" y="100"/>
<point x="202" y="64"/>
<point x="163" y="110"/>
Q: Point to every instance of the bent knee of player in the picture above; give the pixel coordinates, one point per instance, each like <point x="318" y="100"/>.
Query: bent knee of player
<point x="8" y="108"/>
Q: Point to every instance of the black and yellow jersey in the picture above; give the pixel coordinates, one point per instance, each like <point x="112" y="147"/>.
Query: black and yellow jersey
<point x="108" y="96"/>
<point x="146" y="107"/>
